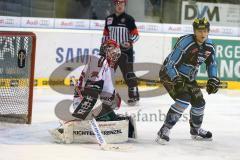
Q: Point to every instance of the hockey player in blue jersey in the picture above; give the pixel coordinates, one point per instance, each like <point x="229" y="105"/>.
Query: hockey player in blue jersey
<point x="178" y="75"/>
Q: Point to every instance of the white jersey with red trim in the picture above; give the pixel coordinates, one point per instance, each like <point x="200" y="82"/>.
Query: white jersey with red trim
<point x="98" y="69"/>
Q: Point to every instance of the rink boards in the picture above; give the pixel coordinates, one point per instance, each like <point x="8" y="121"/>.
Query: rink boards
<point x="61" y="47"/>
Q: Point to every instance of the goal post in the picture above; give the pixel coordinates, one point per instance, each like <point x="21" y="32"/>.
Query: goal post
<point x="17" y="62"/>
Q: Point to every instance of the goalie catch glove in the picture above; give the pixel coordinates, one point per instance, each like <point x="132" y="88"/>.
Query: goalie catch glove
<point x="213" y="85"/>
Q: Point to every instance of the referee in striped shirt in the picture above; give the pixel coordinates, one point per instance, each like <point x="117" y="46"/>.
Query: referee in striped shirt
<point x="121" y="27"/>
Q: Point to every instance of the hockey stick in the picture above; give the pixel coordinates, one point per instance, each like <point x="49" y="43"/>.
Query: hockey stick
<point x="103" y="144"/>
<point x="223" y="85"/>
<point x="98" y="134"/>
<point x="101" y="141"/>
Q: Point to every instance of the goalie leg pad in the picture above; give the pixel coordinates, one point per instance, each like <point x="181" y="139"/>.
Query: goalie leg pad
<point x="81" y="132"/>
<point x="57" y="135"/>
<point x="132" y="130"/>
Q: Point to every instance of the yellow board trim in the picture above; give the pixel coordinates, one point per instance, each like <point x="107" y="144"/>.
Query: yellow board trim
<point x="44" y="82"/>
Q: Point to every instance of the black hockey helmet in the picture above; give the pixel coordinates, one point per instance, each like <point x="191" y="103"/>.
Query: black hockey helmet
<point x="201" y="23"/>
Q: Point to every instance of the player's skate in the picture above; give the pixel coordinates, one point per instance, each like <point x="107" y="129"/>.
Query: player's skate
<point x="133" y="101"/>
<point x="200" y="134"/>
<point x="133" y="96"/>
<point x="163" y="135"/>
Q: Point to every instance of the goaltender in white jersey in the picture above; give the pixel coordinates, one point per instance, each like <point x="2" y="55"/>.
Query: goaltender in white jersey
<point x="97" y="82"/>
<point x="99" y="76"/>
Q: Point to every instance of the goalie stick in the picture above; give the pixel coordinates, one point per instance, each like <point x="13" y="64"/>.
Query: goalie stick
<point x="103" y="144"/>
<point x="98" y="134"/>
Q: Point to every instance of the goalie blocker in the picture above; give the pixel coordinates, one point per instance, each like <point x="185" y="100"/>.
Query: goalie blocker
<point x="80" y="131"/>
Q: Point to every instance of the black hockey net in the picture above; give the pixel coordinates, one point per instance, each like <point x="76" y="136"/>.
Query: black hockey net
<point x="17" y="57"/>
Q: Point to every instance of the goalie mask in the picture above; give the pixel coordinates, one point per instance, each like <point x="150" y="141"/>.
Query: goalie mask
<point x="112" y="52"/>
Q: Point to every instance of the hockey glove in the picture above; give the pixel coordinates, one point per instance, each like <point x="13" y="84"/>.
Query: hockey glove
<point x="178" y="84"/>
<point x="213" y="85"/>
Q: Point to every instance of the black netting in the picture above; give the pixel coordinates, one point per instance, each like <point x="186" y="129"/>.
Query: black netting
<point x="15" y="72"/>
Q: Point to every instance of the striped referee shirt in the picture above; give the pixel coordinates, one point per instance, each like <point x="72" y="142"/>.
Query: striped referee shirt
<point x="120" y="28"/>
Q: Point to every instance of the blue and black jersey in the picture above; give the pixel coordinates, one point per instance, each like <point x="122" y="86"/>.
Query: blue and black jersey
<point x="187" y="56"/>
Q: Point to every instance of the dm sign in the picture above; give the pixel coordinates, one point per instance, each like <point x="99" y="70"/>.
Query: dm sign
<point x="218" y="14"/>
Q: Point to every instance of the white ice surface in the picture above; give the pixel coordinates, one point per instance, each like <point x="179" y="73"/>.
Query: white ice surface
<point x="222" y="117"/>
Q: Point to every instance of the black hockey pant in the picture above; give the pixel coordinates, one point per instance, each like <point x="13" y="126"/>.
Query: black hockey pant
<point x="189" y="94"/>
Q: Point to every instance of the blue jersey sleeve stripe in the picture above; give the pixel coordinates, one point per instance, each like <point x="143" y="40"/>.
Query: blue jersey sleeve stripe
<point x="176" y="55"/>
<point x="182" y="39"/>
<point x="172" y="61"/>
<point x="212" y="70"/>
<point x="212" y="66"/>
<point x="185" y="42"/>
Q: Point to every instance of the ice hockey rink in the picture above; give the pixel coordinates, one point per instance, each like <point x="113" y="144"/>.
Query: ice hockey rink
<point x="28" y="142"/>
